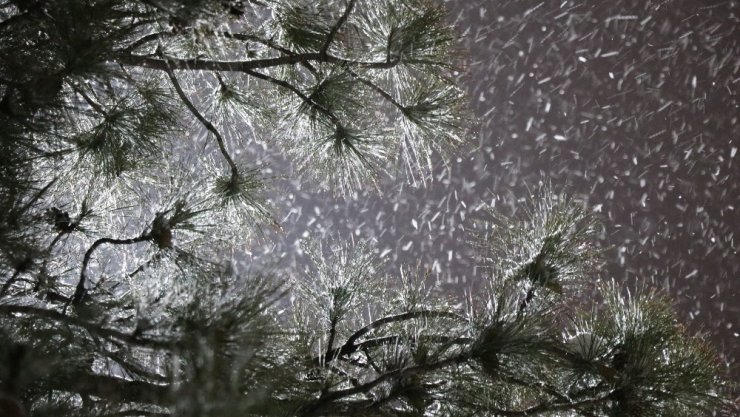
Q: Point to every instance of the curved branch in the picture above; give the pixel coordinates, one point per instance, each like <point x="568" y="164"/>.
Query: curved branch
<point x="145" y="39"/>
<point x="403" y="317"/>
<point x="205" y="122"/>
<point x="80" y="291"/>
<point x="550" y="407"/>
<point x="226" y="34"/>
<point x="350" y="346"/>
<point x="326" y="400"/>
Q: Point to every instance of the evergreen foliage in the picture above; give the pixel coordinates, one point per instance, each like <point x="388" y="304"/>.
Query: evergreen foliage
<point x="123" y="187"/>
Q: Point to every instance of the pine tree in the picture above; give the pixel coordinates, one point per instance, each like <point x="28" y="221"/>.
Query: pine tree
<point x="126" y="186"/>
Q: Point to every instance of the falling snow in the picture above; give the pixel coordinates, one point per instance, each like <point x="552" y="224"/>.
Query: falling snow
<point x="630" y="105"/>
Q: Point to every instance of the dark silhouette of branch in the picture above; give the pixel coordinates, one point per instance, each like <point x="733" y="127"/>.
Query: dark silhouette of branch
<point x="111" y="388"/>
<point x="332" y="335"/>
<point x="147" y="61"/>
<point x="296" y="91"/>
<point x="10" y="282"/>
<point x="156" y="36"/>
<point x="327" y="399"/>
<point x="93" y="328"/>
<point x="80" y="291"/>
<point x="377" y="89"/>
<point x="205" y="122"/>
<point x="350" y="346"/>
<point x="337" y="26"/>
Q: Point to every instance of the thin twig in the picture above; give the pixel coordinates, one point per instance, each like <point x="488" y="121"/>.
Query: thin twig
<point x="9" y="282"/>
<point x="336" y="27"/>
<point x="97" y="107"/>
<point x="350" y="346"/>
<point x="327" y="399"/>
<point x="208" y="125"/>
<point x="80" y="291"/>
<point x="377" y="89"/>
<point x="94" y="328"/>
<point x="297" y="92"/>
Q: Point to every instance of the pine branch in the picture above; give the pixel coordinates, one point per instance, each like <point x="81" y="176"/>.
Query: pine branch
<point x="336" y="27"/>
<point x="80" y="291"/>
<point x="198" y="64"/>
<point x="350" y="346"/>
<point x="111" y="388"/>
<point x="551" y="407"/>
<point x="13" y="278"/>
<point x="97" y="107"/>
<point x="254" y="38"/>
<point x="377" y="89"/>
<point x="286" y="85"/>
<point x="151" y="37"/>
<point x="157" y="36"/>
<point x="93" y="328"/>
<point x="326" y="400"/>
<point x="208" y="125"/>
<point x="332" y="335"/>
<point x="396" y="340"/>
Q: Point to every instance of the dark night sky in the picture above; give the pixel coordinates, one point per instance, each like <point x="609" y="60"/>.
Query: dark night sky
<point x="630" y="105"/>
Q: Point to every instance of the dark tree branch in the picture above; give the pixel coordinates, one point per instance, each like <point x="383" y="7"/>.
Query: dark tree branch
<point x="208" y="125"/>
<point x="151" y="37"/>
<point x="208" y="65"/>
<point x="528" y="299"/>
<point x="403" y="317"/>
<point x="395" y="340"/>
<point x="332" y="335"/>
<point x="38" y="195"/>
<point x="111" y="388"/>
<point x="392" y="340"/>
<point x="97" y="107"/>
<point x="10" y="282"/>
<point x="326" y="400"/>
<point x="336" y="27"/>
<point x="80" y="290"/>
<point x="371" y="361"/>
<point x="144" y="40"/>
<point x="93" y="328"/>
<point x="286" y="85"/>
<point x="550" y="407"/>
<point x="378" y="90"/>
<point x="254" y="38"/>
<point x="198" y="64"/>
<point x="350" y="346"/>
